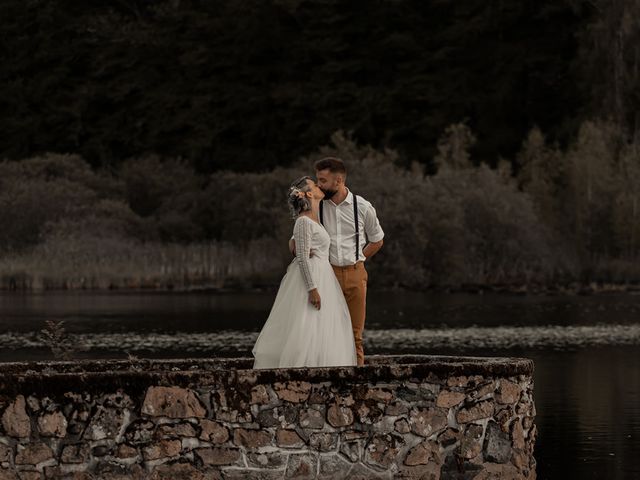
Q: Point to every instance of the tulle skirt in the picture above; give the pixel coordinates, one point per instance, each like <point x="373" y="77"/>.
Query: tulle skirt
<point x="298" y="335"/>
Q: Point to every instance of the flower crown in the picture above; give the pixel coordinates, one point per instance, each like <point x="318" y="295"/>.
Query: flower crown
<point x="297" y="192"/>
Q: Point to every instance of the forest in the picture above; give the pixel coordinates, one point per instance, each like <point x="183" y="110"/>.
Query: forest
<point x="150" y="143"/>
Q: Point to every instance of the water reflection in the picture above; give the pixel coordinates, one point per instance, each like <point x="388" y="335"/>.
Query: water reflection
<point x="586" y="351"/>
<point x="247" y="311"/>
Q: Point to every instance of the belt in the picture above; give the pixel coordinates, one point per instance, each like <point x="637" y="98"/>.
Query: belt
<point x="352" y="266"/>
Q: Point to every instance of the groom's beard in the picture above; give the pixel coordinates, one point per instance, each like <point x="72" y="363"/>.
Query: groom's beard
<point x="329" y="193"/>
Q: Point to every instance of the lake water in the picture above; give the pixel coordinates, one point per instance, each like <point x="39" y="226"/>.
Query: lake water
<point x="586" y="350"/>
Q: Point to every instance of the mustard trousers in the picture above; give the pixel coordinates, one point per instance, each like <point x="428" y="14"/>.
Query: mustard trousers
<point x="353" y="281"/>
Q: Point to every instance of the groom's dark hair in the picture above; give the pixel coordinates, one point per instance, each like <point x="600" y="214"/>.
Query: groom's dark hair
<point x="335" y="165"/>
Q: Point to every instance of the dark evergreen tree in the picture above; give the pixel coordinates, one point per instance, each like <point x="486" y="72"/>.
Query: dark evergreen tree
<point x="251" y="84"/>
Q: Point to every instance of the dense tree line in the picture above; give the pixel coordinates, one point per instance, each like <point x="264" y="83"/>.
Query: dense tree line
<point x="569" y="215"/>
<point x="176" y="126"/>
<point x="249" y="85"/>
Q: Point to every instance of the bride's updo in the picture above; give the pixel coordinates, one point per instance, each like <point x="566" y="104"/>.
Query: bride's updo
<point x="298" y="202"/>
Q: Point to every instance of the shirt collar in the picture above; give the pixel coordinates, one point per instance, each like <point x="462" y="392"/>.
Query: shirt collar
<point x="348" y="199"/>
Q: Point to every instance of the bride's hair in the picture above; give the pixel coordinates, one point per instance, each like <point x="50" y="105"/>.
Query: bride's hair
<point x="297" y="203"/>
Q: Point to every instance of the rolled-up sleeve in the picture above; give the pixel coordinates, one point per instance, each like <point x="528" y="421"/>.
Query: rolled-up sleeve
<point x="372" y="226"/>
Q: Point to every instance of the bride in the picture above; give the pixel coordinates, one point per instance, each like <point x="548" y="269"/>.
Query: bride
<point x="309" y="323"/>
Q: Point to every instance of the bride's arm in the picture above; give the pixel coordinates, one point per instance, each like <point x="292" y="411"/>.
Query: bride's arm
<point x="302" y="237"/>
<point x="292" y="246"/>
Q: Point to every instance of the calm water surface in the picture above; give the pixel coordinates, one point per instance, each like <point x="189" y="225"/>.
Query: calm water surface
<point x="586" y="350"/>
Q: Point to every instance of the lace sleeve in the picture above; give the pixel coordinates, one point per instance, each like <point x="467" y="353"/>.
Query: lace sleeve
<point x="302" y="236"/>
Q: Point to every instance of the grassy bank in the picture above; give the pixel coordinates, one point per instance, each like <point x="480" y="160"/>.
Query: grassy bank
<point x="119" y="265"/>
<point x="213" y="266"/>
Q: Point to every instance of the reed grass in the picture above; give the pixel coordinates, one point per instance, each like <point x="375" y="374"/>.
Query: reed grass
<point x="124" y="264"/>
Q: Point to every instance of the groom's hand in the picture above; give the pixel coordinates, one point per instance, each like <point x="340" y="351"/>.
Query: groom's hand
<point x="314" y="298"/>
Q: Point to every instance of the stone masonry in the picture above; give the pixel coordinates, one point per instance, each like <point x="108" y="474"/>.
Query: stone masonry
<point x="408" y="417"/>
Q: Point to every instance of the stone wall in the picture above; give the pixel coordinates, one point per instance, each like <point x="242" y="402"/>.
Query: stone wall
<point x="397" y="417"/>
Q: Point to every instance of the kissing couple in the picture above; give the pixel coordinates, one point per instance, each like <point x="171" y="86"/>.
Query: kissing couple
<point x="317" y="318"/>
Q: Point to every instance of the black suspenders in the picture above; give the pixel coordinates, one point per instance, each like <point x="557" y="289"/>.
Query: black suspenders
<point x="355" y="216"/>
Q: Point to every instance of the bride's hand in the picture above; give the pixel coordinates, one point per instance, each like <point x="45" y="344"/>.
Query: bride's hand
<point x="314" y="298"/>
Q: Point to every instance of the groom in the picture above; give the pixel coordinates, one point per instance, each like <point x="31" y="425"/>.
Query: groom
<point x="356" y="235"/>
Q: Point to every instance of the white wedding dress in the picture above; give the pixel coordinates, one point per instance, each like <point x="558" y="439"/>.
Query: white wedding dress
<point x="296" y="334"/>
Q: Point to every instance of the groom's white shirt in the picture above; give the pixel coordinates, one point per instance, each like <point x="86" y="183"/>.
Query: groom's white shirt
<point x="339" y="222"/>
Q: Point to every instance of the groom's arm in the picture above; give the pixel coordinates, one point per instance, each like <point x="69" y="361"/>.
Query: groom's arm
<point x="374" y="233"/>
<point x="372" y="248"/>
